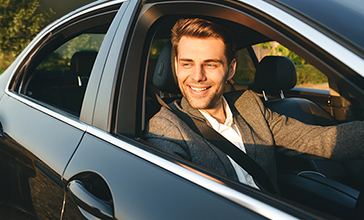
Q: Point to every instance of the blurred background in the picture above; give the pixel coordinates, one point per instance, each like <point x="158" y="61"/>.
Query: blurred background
<point x="61" y="7"/>
<point x="21" y="21"/>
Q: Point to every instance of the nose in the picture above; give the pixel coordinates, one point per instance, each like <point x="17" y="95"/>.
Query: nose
<point x="198" y="74"/>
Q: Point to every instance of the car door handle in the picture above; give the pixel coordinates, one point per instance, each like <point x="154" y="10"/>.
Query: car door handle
<point x="88" y="202"/>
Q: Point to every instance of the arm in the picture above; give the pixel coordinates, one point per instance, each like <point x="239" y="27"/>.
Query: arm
<point x="164" y="134"/>
<point x="341" y="142"/>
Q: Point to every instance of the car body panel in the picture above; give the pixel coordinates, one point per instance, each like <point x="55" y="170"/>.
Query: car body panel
<point x="39" y="159"/>
<point x="339" y="18"/>
<point x="29" y="129"/>
<point x="138" y="183"/>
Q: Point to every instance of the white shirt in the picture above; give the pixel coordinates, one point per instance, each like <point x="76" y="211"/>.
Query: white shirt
<point x="231" y="132"/>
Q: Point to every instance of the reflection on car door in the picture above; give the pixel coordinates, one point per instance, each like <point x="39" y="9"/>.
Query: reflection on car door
<point x="34" y="149"/>
<point x="114" y="183"/>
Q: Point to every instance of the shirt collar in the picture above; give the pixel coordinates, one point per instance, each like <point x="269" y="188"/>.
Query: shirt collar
<point x="214" y="123"/>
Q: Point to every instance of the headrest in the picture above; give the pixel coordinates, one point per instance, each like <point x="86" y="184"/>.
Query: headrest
<point x="164" y="77"/>
<point x="82" y="62"/>
<point x="275" y="73"/>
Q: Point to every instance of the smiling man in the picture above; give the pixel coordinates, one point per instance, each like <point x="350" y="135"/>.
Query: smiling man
<point x="204" y="62"/>
<point x="202" y="70"/>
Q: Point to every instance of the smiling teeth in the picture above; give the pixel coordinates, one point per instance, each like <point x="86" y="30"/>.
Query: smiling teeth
<point x="198" y="89"/>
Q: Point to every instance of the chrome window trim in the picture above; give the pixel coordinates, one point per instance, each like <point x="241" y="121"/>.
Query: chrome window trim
<point x="70" y="121"/>
<point x="204" y="181"/>
<point x="86" y="9"/>
<point x="321" y="40"/>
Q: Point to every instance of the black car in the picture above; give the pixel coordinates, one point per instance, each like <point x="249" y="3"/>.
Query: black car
<point x="76" y="101"/>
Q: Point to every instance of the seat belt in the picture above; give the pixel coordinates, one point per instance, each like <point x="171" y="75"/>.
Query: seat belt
<point x="212" y="136"/>
<point x="240" y="157"/>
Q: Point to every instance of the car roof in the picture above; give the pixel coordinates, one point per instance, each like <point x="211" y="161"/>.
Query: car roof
<point x="341" y="18"/>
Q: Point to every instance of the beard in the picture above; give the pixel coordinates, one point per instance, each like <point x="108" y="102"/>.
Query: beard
<point x="209" y="101"/>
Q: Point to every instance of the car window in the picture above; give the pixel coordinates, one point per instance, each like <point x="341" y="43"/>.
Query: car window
<point x="307" y="75"/>
<point x="57" y="70"/>
<point x="245" y="69"/>
<point x="61" y="78"/>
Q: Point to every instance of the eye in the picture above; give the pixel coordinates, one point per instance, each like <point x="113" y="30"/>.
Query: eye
<point x="210" y="65"/>
<point x="186" y="65"/>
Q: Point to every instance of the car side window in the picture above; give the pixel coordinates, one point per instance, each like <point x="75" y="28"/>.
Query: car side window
<point x="61" y="78"/>
<point x="58" y="67"/>
<point x="307" y="75"/>
<point x="245" y="69"/>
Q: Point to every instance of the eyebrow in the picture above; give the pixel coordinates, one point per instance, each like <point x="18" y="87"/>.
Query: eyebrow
<point x="185" y="59"/>
<point x="205" y="61"/>
<point x="214" y="60"/>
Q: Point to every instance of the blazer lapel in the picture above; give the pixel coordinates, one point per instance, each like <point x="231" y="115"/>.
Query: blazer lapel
<point x="239" y="114"/>
<point x="246" y="133"/>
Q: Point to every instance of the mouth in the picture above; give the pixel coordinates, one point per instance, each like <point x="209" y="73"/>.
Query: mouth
<point x="199" y="91"/>
<point x="196" y="89"/>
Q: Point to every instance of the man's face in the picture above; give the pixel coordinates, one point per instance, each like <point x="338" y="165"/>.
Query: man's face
<point x="202" y="70"/>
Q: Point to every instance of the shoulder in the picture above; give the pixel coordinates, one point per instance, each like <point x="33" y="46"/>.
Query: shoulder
<point x="244" y="99"/>
<point x="165" y="123"/>
<point x="163" y="118"/>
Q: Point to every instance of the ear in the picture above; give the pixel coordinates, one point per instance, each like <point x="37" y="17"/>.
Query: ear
<point x="232" y="68"/>
<point x="175" y="65"/>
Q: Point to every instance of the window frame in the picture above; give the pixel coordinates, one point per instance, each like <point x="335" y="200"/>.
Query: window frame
<point x="236" y="12"/>
<point x="50" y="40"/>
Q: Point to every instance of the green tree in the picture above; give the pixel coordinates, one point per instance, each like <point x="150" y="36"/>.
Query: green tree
<point x="19" y="23"/>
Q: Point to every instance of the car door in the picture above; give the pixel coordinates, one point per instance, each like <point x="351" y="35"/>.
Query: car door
<point x="114" y="174"/>
<point x="159" y="17"/>
<point x="39" y="112"/>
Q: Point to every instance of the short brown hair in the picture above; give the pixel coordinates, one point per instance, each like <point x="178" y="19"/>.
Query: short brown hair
<point x="200" y="28"/>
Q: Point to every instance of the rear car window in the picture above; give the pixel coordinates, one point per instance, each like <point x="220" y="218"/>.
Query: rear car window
<point x="61" y="78"/>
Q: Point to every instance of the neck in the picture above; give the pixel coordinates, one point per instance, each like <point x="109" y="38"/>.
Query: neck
<point x="218" y="112"/>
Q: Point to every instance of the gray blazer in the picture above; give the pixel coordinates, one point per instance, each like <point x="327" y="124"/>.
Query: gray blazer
<point x="263" y="131"/>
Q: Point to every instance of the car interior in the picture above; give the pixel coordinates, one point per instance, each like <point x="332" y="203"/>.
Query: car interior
<point x="329" y="186"/>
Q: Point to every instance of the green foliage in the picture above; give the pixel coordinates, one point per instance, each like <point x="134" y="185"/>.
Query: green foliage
<point x="19" y="23"/>
<point x="307" y="74"/>
<point x="244" y="75"/>
<point x="157" y="47"/>
<point x="280" y="50"/>
<point x="60" y="59"/>
<point x="245" y="70"/>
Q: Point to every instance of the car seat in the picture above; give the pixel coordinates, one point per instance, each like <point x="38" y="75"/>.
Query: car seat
<point x="81" y="66"/>
<point x="322" y="184"/>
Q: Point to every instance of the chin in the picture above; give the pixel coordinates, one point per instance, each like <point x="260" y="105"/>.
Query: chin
<point x="198" y="105"/>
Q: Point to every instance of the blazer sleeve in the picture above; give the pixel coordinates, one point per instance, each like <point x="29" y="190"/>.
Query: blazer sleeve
<point x="164" y="134"/>
<point x="340" y="142"/>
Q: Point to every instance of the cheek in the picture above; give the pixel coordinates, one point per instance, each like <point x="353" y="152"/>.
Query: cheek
<point x="181" y="76"/>
<point x="218" y="77"/>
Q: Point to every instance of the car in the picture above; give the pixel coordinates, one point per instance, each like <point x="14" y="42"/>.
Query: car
<point x="75" y="103"/>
